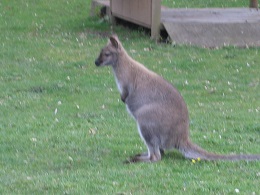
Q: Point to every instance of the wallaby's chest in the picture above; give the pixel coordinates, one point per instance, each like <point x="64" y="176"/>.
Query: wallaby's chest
<point x="119" y="85"/>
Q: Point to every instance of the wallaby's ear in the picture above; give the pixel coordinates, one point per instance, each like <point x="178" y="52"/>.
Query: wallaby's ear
<point x="114" y="40"/>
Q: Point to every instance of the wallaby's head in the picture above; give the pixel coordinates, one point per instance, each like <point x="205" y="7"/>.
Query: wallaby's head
<point x="109" y="54"/>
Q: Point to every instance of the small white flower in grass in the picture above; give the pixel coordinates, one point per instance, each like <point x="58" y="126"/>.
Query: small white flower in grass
<point x="115" y="183"/>
<point x="237" y="190"/>
<point x="59" y="103"/>
<point x="200" y="104"/>
<point x="29" y="178"/>
<point x="71" y="159"/>
<point x="33" y="139"/>
<point x="92" y="131"/>
<point x="55" y="111"/>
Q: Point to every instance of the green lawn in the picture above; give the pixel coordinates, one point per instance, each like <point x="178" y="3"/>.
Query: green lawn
<point x="63" y="129"/>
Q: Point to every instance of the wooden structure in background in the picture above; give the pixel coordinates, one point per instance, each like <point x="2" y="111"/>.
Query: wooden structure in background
<point x="207" y="27"/>
<point x="146" y="13"/>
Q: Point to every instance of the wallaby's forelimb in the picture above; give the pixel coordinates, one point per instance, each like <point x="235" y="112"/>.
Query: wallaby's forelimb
<point x="124" y="95"/>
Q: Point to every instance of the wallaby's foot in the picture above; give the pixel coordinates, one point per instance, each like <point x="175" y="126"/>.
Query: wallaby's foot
<point x="133" y="159"/>
<point x="143" y="158"/>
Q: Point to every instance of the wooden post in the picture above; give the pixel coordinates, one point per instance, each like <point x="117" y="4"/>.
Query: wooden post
<point x="111" y="17"/>
<point x="156" y="19"/>
<point x="253" y="4"/>
<point x="93" y="8"/>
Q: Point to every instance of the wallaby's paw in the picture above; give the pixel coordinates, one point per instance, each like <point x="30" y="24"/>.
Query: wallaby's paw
<point x="134" y="159"/>
<point x="127" y="161"/>
<point x="142" y="158"/>
<point x="137" y="158"/>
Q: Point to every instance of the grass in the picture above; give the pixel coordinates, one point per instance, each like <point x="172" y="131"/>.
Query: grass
<point x="63" y="129"/>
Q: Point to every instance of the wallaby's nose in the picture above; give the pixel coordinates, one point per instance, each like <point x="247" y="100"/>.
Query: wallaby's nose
<point x="97" y="62"/>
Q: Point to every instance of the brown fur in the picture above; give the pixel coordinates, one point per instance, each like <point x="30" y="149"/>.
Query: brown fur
<point x="158" y="108"/>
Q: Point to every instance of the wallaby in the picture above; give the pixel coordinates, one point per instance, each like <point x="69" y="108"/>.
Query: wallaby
<point x="158" y="108"/>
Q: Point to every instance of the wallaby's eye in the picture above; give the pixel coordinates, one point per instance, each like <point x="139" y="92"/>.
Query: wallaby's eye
<point x="107" y="54"/>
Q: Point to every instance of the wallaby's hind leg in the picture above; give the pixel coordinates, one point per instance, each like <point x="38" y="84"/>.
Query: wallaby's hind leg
<point x="154" y="151"/>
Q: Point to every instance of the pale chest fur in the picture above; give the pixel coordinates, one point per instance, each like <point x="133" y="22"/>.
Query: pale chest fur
<point x="118" y="84"/>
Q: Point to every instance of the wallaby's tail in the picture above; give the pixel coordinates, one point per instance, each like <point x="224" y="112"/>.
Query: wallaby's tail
<point x="192" y="151"/>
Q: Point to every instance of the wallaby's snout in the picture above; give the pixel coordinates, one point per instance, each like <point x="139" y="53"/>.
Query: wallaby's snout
<point x="104" y="58"/>
<point x="97" y="62"/>
<point x="99" y="59"/>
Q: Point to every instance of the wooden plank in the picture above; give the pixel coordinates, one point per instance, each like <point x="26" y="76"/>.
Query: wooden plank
<point x="210" y="15"/>
<point x="135" y="11"/>
<point x="144" y="11"/>
<point x="156" y="19"/>
<point x="213" y="27"/>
